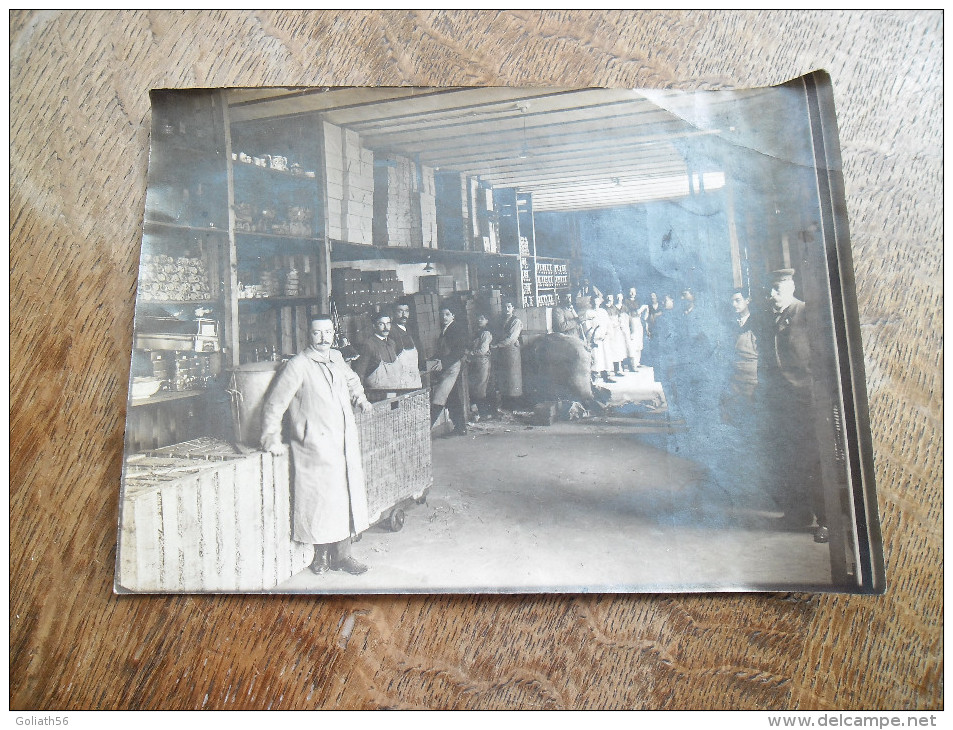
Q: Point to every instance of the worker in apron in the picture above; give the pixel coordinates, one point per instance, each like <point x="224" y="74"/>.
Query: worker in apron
<point x="379" y="366"/>
<point x="409" y="356"/>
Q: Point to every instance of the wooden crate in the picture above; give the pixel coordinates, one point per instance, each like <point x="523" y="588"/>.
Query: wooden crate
<point x="200" y="519"/>
<point x="396" y="451"/>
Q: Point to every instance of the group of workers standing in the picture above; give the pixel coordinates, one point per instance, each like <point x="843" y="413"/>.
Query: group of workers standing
<point x="748" y="378"/>
<point x="769" y="401"/>
<point x="614" y="328"/>
<point x="465" y="368"/>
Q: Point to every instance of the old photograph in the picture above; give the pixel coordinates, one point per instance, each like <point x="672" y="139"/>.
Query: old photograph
<point x="496" y="340"/>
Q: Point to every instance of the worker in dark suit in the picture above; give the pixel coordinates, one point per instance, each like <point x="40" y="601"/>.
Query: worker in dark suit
<point x="789" y="397"/>
<point x="449" y="375"/>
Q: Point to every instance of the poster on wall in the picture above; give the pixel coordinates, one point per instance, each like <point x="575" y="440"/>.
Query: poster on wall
<point x="496" y="340"/>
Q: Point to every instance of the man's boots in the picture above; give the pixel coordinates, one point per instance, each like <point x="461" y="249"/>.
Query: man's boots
<point x="606" y="378"/>
<point x="341" y="559"/>
<point x="320" y="564"/>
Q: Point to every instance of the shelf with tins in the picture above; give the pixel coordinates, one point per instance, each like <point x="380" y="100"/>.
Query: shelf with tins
<point x="279" y="256"/>
<point x="183" y="227"/>
<point x="278" y="300"/>
<point x="345" y="251"/>
<point x="247" y="235"/>
<point x="270" y="165"/>
<point x="165" y="397"/>
<point x="181" y="264"/>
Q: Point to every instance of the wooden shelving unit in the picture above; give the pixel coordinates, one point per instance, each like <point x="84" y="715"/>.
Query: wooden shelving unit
<point x="534" y="280"/>
<point x="277" y="242"/>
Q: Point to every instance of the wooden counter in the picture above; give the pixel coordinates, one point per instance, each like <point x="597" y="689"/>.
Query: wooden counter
<point x="200" y="517"/>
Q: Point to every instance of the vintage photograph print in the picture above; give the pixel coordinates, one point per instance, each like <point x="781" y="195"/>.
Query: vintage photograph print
<point x="496" y="340"/>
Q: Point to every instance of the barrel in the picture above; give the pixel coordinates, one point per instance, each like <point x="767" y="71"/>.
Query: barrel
<point x="247" y="387"/>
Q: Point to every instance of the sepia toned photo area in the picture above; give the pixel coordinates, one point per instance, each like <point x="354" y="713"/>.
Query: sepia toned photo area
<point x="495" y="340"/>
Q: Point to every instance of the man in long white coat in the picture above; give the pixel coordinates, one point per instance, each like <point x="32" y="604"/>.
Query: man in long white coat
<point x="319" y="391"/>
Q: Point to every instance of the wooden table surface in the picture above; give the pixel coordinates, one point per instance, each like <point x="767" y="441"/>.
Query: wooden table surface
<point x="79" y="140"/>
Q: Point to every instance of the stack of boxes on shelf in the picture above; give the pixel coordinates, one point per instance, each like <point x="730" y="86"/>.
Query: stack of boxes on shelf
<point x="357" y="292"/>
<point x="437" y="284"/>
<point x="459" y="228"/>
<point x="500" y="277"/>
<point x="347" y="289"/>
<point x="536" y="321"/>
<point x="350" y="172"/>
<point x="393" y="185"/>
<point x="428" y="207"/>
<point x="425" y="319"/>
<point x="356" y="328"/>
<point x="526" y="274"/>
<point x="385" y="287"/>
<point x="405" y="203"/>
<point x="490" y="302"/>
<point x="486" y="238"/>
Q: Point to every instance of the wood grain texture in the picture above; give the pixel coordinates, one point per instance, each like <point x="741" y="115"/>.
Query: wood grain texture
<point x="79" y="141"/>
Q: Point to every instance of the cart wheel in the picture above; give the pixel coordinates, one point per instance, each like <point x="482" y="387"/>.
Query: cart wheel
<point x="396" y="520"/>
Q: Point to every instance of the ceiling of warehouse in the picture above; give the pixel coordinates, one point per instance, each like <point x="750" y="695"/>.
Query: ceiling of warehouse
<point x="574" y="149"/>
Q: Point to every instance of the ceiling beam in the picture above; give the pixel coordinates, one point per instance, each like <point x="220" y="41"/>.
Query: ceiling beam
<point x="482" y="101"/>
<point x="492" y="130"/>
<point x="513" y="112"/>
<point x="537" y="178"/>
<point x="573" y="146"/>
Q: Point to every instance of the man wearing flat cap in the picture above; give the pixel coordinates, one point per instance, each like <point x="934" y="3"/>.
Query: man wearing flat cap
<point x="788" y="383"/>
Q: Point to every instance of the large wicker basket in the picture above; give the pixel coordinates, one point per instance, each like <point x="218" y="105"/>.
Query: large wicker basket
<point x="396" y="454"/>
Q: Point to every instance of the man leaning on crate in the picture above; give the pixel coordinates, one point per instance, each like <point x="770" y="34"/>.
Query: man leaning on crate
<point x="319" y="391"/>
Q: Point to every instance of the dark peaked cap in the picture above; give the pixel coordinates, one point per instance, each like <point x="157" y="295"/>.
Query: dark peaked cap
<point x="782" y="275"/>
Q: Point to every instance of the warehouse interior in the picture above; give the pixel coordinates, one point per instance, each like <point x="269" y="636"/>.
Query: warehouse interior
<point x="282" y="201"/>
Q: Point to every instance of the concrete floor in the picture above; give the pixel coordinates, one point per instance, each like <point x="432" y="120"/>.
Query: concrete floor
<point x="608" y="503"/>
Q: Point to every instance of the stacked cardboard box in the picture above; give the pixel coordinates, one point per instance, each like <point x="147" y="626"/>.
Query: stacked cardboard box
<point x="490" y="302"/>
<point x="425" y="321"/>
<point x="355" y="327"/>
<point x="385" y="287"/>
<point x="536" y="320"/>
<point x="486" y="233"/>
<point x="442" y="285"/>
<point x="356" y="292"/>
<point x="395" y="182"/>
<point x="468" y="307"/>
<point x="428" y="207"/>
<point x="350" y="176"/>
<point x="347" y="289"/>
<point x="453" y="228"/>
